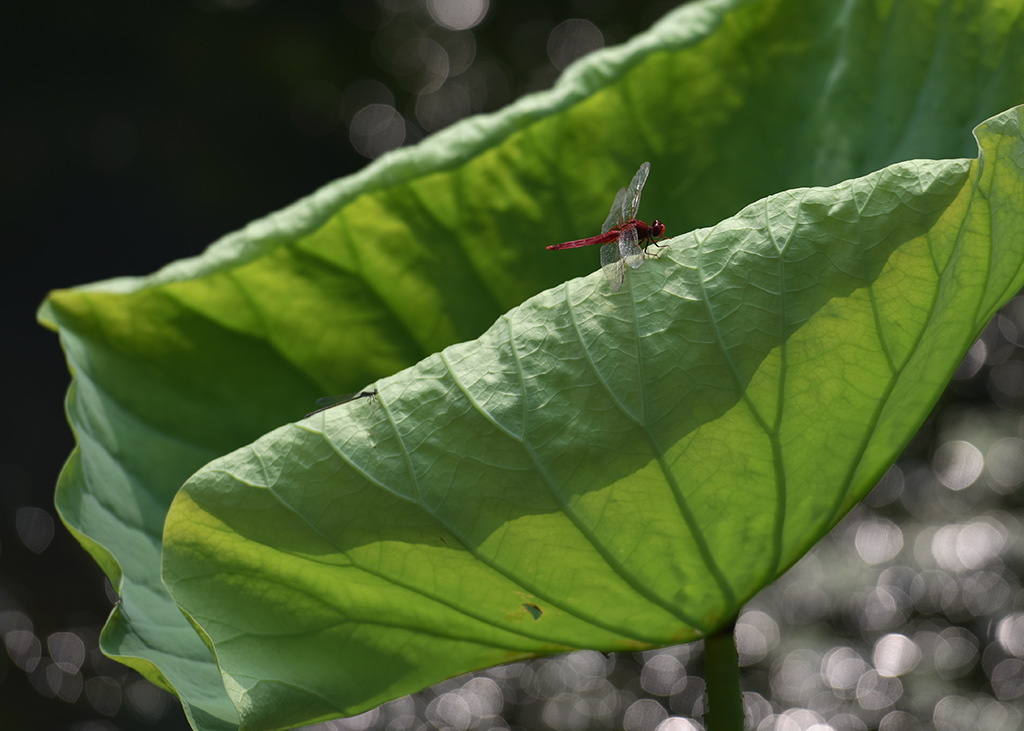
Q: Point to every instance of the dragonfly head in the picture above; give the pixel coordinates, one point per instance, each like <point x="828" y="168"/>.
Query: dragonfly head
<point x="657" y="229"/>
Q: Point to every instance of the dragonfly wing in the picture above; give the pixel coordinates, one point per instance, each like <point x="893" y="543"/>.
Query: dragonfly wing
<point x="631" y="203"/>
<point x="612" y="266"/>
<point x="628" y="249"/>
<point x="615" y="214"/>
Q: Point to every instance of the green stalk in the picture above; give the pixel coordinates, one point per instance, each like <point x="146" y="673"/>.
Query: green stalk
<point x="722" y="675"/>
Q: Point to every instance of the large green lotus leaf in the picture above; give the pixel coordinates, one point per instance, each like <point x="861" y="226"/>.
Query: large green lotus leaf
<point x="600" y="471"/>
<point x="731" y="101"/>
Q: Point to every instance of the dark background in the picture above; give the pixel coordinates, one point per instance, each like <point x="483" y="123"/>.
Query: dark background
<point x="133" y="134"/>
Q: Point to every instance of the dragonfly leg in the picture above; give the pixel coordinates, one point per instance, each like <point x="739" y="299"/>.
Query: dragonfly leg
<point x="656" y="254"/>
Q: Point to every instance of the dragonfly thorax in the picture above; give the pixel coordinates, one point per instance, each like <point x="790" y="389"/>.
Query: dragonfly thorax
<point x="646" y="233"/>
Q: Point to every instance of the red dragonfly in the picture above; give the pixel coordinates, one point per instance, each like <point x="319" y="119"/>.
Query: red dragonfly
<point x="623" y="233"/>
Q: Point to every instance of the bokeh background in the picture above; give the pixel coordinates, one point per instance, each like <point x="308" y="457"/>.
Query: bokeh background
<point x="133" y="134"/>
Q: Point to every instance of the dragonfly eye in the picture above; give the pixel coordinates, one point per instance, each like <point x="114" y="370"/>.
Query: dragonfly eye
<point x="658" y="228"/>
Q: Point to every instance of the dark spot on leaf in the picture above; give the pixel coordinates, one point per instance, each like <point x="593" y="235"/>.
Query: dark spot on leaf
<point x="534" y="610"/>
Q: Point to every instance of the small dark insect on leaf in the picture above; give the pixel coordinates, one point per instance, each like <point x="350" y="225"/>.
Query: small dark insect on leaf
<point x="534" y="610"/>
<point x="329" y="402"/>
